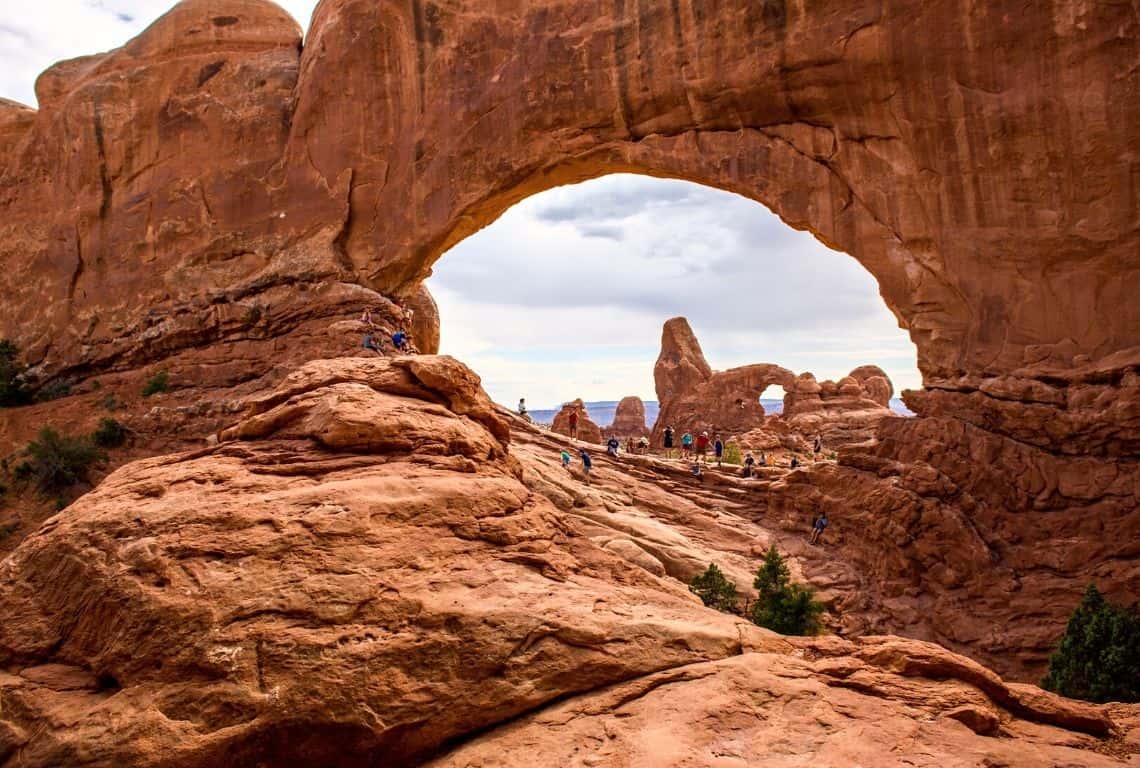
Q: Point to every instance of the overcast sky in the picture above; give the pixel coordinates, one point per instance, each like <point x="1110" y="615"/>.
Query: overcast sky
<point x="565" y="294"/>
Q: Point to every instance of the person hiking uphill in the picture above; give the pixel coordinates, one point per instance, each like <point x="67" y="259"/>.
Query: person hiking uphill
<point x="587" y="464"/>
<point x="667" y="442"/>
<point x="565" y="458"/>
<point x="400" y="341"/>
<point x="573" y="422"/>
<point x="817" y="527"/>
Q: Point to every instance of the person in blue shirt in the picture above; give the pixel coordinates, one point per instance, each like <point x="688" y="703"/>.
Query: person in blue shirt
<point x="400" y="341"/>
<point x="718" y="450"/>
<point x="370" y="343"/>
<point x="612" y="446"/>
<point x="587" y="464"/>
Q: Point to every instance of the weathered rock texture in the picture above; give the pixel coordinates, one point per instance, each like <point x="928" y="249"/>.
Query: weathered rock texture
<point x="629" y="418"/>
<point x="212" y="199"/>
<point x="588" y="431"/>
<point x="362" y="574"/>
<point x="693" y="398"/>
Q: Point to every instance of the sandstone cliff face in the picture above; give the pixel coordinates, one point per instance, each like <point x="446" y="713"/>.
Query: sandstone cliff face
<point x="363" y="572"/>
<point x="629" y="418"/>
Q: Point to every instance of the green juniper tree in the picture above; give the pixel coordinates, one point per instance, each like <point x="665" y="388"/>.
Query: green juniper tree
<point x="12" y="388"/>
<point x="714" y="589"/>
<point x="1098" y="658"/>
<point x="782" y="605"/>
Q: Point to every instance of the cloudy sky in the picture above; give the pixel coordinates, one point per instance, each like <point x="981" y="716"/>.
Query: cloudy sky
<point x="565" y="294"/>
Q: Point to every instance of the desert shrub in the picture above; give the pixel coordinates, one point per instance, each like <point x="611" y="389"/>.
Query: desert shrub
<point x="7" y="529"/>
<point x="110" y="403"/>
<point x="1098" y="658"/>
<point x="53" y="391"/>
<point x="56" y="462"/>
<point x="784" y="606"/>
<point x="714" y="589"/>
<point x="159" y="382"/>
<point x="109" y="434"/>
<point x="13" y="390"/>
<point x="732" y="454"/>
<point x="252" y="315"/>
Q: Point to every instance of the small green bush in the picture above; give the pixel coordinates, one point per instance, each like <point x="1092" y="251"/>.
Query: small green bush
<point x="109" y="434"/>
<point x="1098" y="658"/>
<point x="53" y="391"/>
<point x="56" y="462"/>
<point x="159" y="382"/>
<point x="784" y="606"/>
<point x="13" y="390"/>
<point x="732" y="454"/>
<point x="110" y="403"/>
<point x="714" y="589"/>
<point x="7" y="529"/>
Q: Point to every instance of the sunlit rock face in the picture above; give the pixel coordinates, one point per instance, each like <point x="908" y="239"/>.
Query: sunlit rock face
<point x="220" y="201"/>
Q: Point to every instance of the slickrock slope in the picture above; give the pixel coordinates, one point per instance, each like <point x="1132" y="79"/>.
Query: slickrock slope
<point x="358" y="575"/>
<point x="629" y="418"/>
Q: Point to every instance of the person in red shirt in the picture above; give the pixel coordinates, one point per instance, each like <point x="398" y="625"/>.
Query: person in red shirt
<point x="702" y="445"/>
<point x="574" y="424"/>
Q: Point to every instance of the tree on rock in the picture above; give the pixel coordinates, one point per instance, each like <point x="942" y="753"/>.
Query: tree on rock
<point x="784" y="606"/>
<point x="12" y="388"/>
<point x="1098" y="658"/>
<point x="714" y="589"/>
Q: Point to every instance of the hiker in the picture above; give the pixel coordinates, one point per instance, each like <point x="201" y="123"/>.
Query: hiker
<point x="573" y="424"/>
<point x="370" y="343"/>
<point x="702" y="445"/>
<point x="366" y="318"/>
<point x="818" y="446"/>
<point x="748" y="462"/>
<point x="763" y="459"/>
<point x="400" y="341"/>
<point x="667" y="442"/>
<point x="566" y="458"/>
<point x="587" y="464"/>
<point x="795" y="462"/>
<point x="522" y="406"/>
<point x="817" y="527"/>
<point x="643" y="445"/>
<point x="697" y="472"/>
<point x="629" y="445"/>
<point x="718" y="450"/>
<point x="612" y="446"/>
<point x="686" y="445"/>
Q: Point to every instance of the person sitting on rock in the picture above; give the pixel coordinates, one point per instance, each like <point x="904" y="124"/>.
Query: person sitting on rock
<point x="566" y="458"/>
<point x="522" y="408"/>
<point x="400" y="341"/>
<point x="748" y="462"/>
<point x="587" y="463"/>
<point x="817" y="527"/>
<point x="667" y="442"/>
<point x="573" y="423"/>
<point x="686" y="445"/>
<point x="718" y="450"/>
<point x="697" y="471"/>
<point x="370" y="343"/>
<point x="612" y="446"/>
<point x="643" y="445"/>
<point x="366" y="318"/>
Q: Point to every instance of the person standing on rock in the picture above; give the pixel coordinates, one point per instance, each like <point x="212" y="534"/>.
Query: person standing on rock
<point x="573" y="422"/>
<point x="795" y="462"/>
<point x="817" y="527"/>
<point x="522" y="408"/>
<point x="702" y="446"/>
<point x="818" y="446"/>
<point x="748" y="462"/>
<point x="718" y="450"/>
<point x="566" y="458"/>
<point x="667" y="442"/>
<point x="366" y="318"/>
<point x="686" y="445"/>
<point x="629" y="445"/>
<point x="587" y="464"/>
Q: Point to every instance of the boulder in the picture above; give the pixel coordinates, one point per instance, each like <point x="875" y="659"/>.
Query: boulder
<point x="588" y="431"/>
<point x="629" y="418"/>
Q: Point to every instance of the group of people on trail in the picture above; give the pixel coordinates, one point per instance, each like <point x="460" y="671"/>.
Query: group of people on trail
<point x="401" y="339"/>
<point x="587" y="462"/>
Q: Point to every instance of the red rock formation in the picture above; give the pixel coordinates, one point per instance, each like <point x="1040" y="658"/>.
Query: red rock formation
<point x="588" y="431"/>
<point x="839" y="413"/>
<point x="692" y="397"/>
<point x="629" y="418"/>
